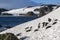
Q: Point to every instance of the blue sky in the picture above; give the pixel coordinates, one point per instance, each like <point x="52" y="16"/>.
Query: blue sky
<point x="47" y="1"/>
<point x="11" y="4"/>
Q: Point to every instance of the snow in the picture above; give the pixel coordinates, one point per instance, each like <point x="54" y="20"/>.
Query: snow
<point x="21" y="10"/>
<point x="52" y="33"/>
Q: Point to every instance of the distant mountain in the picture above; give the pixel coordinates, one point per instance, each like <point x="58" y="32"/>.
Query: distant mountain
<point x="3" y="9"/>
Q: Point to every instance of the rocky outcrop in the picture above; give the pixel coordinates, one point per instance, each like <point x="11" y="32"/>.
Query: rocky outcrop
<point x="8" y="36"/>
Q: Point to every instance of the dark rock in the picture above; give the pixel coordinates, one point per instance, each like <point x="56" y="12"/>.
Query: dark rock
<point x="38" y="25"/>
<point x="45" y="24"/>
<point x="28" y="29"/>
<point x="8" y="36"/>
<point x="48" y="27"/>
<point x="49" y="19"/>
<point x="18" y="34"/>
<point x="54" y="23"/>
<point x="36" y="30"/>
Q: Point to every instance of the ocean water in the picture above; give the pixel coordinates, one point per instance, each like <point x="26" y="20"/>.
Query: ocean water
<point x="13" y="21"/>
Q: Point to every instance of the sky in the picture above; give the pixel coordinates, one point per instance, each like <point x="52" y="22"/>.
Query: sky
<point x="12" y="4"/>
<point x="47" y="1"/>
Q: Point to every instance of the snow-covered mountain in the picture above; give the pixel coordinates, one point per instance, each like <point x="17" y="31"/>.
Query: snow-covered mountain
<point x="44" y="28"/>
<point x="26" y="10"/>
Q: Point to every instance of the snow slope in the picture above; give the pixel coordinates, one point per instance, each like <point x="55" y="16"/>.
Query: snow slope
<point x="51" y="31"/>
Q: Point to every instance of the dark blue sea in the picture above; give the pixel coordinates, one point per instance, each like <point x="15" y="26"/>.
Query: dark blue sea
<point x="13" y="21"/>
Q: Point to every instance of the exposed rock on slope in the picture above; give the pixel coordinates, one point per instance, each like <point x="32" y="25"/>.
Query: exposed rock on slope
<point x="8" y="36"/>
